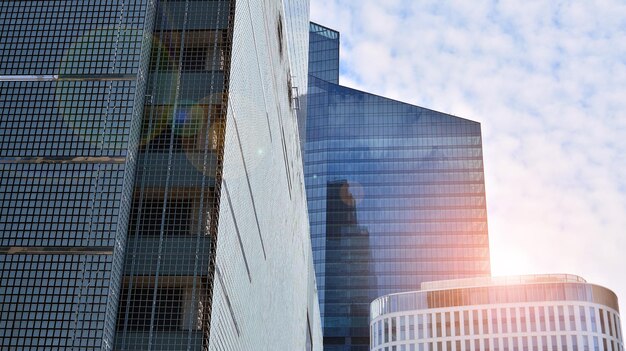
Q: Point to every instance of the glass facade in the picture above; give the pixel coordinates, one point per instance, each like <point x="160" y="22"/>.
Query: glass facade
<point x="324" y="53"/>
<point x="166" y="294"/>
<point x="71" y="95"/>
<point x="512" y="293"/>
<point x="151" y="181"/>
<point x="395" y="193"/>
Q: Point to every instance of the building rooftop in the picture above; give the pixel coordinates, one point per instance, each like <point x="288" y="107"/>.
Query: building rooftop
<point x="501" y="281"/>
<point x="495" y="290"/>
<point x="325" y="31"/>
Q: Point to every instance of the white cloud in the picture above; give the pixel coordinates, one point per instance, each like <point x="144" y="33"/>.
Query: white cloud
<point x="547" y="80"/>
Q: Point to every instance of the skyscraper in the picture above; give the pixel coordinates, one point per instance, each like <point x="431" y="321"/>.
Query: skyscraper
<point x="395" y="194"/>
<point x="151" y="190"/>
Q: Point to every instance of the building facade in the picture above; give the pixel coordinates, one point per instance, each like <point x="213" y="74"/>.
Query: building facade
<point x="72" y="80"/>
<point x="395" y="194"/>
<point x="525" y="313"/>
<point x="151" y="190"/>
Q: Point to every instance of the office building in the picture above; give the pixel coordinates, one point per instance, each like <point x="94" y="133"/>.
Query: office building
<point x="395" y="194"/>
<point x="151" y="186"/>
<point x="521" y="313"/>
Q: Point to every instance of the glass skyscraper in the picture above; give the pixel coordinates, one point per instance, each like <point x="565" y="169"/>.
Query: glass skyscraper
<point x="72" y="87"/>
<point x="395" y="193"/>
<point x="151" y="186"/>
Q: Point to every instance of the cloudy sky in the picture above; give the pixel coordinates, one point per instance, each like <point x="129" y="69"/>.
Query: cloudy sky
<point x="547" y="80"/>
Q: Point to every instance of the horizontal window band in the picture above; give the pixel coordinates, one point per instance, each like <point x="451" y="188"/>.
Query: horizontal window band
<point x="66" y="77"/>
<point x="56" y="250"/>
<point x="113" y="160"/>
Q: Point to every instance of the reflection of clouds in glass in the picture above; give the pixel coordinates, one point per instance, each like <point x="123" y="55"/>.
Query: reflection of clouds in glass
<point x="409" y="177"/>
<point x="351" y="193"/>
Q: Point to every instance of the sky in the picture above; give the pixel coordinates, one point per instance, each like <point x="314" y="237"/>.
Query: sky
<point x="547" y="82"/>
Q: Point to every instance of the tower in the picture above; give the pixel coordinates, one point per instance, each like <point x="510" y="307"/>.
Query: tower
<point x="152" y="193"/>
<point x="413" y="182"/>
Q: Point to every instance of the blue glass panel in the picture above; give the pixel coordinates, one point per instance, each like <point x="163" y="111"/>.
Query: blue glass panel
<point x="395" y="193"/>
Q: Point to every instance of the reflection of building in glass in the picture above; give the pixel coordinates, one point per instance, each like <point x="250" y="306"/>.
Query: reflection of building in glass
<point x="151" y="186"/>
<point x="349" y="258"/>
<point x="523" y="313"/>
<point x="418" y="176"/>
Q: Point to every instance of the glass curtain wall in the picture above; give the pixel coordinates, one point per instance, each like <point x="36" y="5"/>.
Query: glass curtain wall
<point x="165" y="301"/>
<point x="72" y="78"/>
<point x="395" y="193"/>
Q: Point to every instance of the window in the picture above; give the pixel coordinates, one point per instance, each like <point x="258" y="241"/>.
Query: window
<point x="551" y="318"/>
<point x="585" y="343"/>
<point x="195" y="128"/>
<point x="137" y="311"/>
<point x="542" y="318"/>
<point x="386" y="331"/>
<point x="572" y="318"/>
<point x="513" y="313"/>
<point x="494" y="321"/>
<point x="438" y="325"/>
<point x="583" y="318"/>
<point x="201" y="51"/>
<point x="561" y="311"/>
<point x="533" y="321"/>
<point x="184" y="212"/>
<point x="485" y="322"/>
<point x="195" y="58"/>
<point x="525" y="343"/>
<point x="574" y="343"/>
<point x="503" y="321"/>
<point x="616" y="323"/>
<point x="475" y="319"/>
<point x="602" y="325"/>
<point x="420" y="326"/>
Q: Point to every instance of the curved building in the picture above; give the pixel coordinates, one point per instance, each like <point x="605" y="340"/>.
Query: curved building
<point x="521" y="313"/>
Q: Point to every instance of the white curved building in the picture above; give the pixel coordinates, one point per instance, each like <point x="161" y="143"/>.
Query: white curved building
<point x="521" y="313"/>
